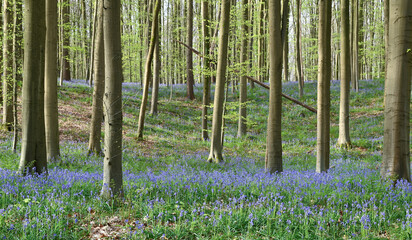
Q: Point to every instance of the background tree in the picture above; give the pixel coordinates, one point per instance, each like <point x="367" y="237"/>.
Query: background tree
<point x="148" y="71"/>
<point x="65" y="30"/>
<point x="189" y="54"/>
<point x="112" y="168"/>
<point x="33" y="149"/>
<point x="396" y="151"/>
<point x="216" y="143"/>
<point x="299" y="67"/>
<point x="99" y="83"/>
<point x="50" y="84"/>
<point x="324" y="78"/>
<point x="156" y="71"/>
<point x="243" y="62"/>
<point x="17" y="64"/>
<point x="345" y="73"/>
<point x="273" y="159"/>
<point x="206" y="68"/>
<point x="8" y="63"/>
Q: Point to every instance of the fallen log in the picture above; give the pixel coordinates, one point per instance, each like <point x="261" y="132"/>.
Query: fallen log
<point x="284" y="95"/>
<point x="256" y="81"/>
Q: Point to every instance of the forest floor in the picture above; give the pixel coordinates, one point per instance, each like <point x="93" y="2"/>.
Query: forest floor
<point x="171" y="192"/>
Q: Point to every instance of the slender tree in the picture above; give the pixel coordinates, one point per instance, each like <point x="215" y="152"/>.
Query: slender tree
<point x="17" y="63"/>
<point x="206" y="68"/>
<point x="99" y="82"/>
<point x="285" y="38"/>
<point x="216" y="143"/>
<point x="299" y="67"/>
<point x="189" y="54"/>
<point x="243" y="83"/>
<point x="8" y="64"/>
<point x="324" y="77"/>
<point x="396" y="151"/>
<point x="112" y="166"/>
<point x="66" y="73"/>
<point x="156" y="71"/>
<point x="345" y="75"/>
<point x="50" y="84"/>
<point x="355" y="45"/>
<point x="33" y="150"/>
<point x="148" y="71"/>
<point x="273" y="159"/>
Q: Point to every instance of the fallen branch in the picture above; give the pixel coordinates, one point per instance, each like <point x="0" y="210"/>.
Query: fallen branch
<point x="284" y="95"/>
<point x="256" y="81"/>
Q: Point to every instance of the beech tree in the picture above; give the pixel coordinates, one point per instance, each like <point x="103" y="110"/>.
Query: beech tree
<point x="65" y="33"/>
<point x="206" y="68"/>
<point x="99" y="82"/>
<point x="148" y="71"/>
<point x="345" y="76"/>
<point x="273" y="159"/>
<point x="243" y="60"/>
<point x="33" y="150"/>
<point x="396" y="151"/>
<point x="50" y="87"/>
<point x="324" y="78"/>
<point x="112" y="166"/>
<point x="189" y="54"/>
<point x="8" y="63"/>
<point x="216" y="143"/>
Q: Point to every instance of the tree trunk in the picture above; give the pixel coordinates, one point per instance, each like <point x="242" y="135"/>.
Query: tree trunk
<point x="216" y="144"/>
<point x="112" y="165"/>
<point x="148" y="71"/>
<point x="7" y="64"/>
<point x="344" y="138"/>
<point x="299" y="49"/>
<point x="99" y="83"/>
<point x="33" y="150"/>
<point x="396" y="152"/>
<point x="261" y="55"/>
<point x="273" y="159"/>
<point x="156" y="72"/>
<point x="324" y="78"/>
<point x="244" y="62"/>
<point x="50" y="87"/>
<point x="285" y="38"/>
<point x="355" y="45"/>
<point x="17" y="64"/>
<point x="206" y="67"/>
<point x="66" y="41"/>
<point x="189" y="54"/>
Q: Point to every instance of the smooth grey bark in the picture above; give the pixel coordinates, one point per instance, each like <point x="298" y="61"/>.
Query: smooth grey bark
<point x="299" y="61"/>
<point x="112" y="101"/>
<point x="206" y="68"/>
<point x="189" y="54"/>
<point x="7" y="64"/>
<point x="396" y="152"/>
<point x="345" y="77"/>
<point x="17" y="64"/>
<point x="243" y="61"/>
<point x="355" y="45"/>
<point x="66" y="74"/>
<point x="33" y="150"/>
<point x="261" y="40"/>
<point x="285" y="38"/>
<point x="216" y="145"/>
<point x="273" y="159"/>
<point x="148" y="71"/>
<point x="324" y="78"/>
<point x="99" y="82"/>
<point x="156" y="72"/>
<point x="50" y="84"/>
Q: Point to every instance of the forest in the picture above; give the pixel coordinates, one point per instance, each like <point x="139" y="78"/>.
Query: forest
<point x="205" y="119"/>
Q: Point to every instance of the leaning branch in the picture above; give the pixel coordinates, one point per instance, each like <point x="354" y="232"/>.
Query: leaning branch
<point x="284" y="95"/>
<point x="256" y="81"/>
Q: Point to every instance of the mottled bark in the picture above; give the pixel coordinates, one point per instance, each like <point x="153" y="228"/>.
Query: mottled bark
<point x="273" y="159"/>
<point x="206" y="68"/>
<point x="244" y="62"/>
<point x="396" y="151"/>
<point x="112" y="101"/>
<point x="33" y="150"/>
<point x="50" y="87"/>
<point x="324" y="78"/>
